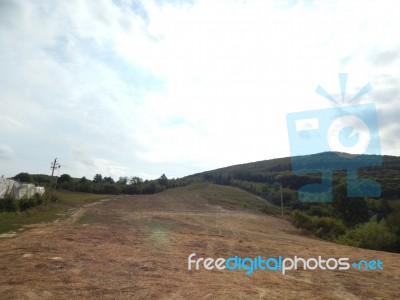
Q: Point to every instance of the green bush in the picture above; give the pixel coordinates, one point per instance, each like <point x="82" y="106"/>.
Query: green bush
<point x="302" y="220"/>
<point x="25" y="203"/>
<point x="316" y="211"/>
<point x="392" y="222"/>
<point x="371" y="235"/>
<point x="328" y="227"/>
<point x="271" y="210"/>
<point x="40" y="199"/>
<point x="319" y="211"/>
<point x="324" y="227"/>
<point x="8" y="204"/>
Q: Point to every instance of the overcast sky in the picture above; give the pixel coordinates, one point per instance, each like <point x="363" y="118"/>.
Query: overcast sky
<point x="142" y="88"/>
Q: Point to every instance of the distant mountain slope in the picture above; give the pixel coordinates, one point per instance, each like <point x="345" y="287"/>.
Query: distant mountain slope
<point x="268" y="172"/>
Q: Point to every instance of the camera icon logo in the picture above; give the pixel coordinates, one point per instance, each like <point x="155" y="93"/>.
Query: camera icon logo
<point x="341" y="135"/>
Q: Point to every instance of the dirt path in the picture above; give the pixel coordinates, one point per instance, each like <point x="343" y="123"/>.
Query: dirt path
<point x="138" y="246"/>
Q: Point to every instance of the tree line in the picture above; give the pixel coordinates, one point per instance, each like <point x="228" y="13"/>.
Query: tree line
<point x="104" y="185"/>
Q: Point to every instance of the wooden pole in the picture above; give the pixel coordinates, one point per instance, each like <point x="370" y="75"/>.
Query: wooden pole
<point x="281" y="200"/>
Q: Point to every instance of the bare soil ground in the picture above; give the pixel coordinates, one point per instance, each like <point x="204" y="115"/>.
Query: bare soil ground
<point x="136" y="247"/>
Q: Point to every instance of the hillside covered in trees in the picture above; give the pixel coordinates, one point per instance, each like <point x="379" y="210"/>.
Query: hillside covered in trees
<point x="264" y="177"/>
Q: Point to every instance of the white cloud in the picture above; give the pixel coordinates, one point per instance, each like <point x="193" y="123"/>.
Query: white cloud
<point x="9" y="124"/>
<point x="149" y="88"/>
<point x="6" y="152"/>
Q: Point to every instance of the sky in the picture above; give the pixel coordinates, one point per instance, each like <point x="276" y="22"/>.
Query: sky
<point x="142" y="88"/>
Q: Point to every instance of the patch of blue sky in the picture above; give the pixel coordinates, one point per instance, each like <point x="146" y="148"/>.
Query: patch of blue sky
<point x="59" y="50"/>
<point x="177" y="120"/>
<point x="175" y="2"/>
<point x="134" y="76"/>
<point x="135" y="5"/>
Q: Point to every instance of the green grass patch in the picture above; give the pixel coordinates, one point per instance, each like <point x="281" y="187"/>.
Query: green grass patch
<point x="225" y="196"/>
<point x="232" y="198"/>
<point x="13" y="221"/>
<point x="195" y="187"/>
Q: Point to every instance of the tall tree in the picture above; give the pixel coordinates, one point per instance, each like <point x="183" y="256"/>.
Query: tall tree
<point x="163" y="180"/>
<point x="135" y="180"/>
<point x="97" y="178"/>
<point x="123" y="180"/>
<point x="24" y="177"/>
<point x="108" y="180"/>
<point x="64" y="178"/>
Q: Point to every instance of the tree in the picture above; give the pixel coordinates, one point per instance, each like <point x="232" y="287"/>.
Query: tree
<point x="24" y="177"/>
<point x="135" y="180"/>
<point x="393" y="223"/>
<point x="163" y="180"/>
<point x="97" y="178"/>
<point x="64" y="178"/>
<point x="84" y="185"/>
<point x="351" y="210"/>
<point x="108" y="180"/>
<point x="123" y="180"/>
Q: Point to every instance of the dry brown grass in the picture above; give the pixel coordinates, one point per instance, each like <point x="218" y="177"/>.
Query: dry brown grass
<point x="136" y="247"/>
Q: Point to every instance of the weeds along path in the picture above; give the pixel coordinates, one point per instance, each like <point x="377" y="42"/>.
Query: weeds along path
<point x="136" y="247"/>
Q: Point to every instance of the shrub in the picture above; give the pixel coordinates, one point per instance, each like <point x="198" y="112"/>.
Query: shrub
<point x="40" y="199"/>
<point x="392" y="222"/>
<point x="371" y="235"/>
<point x="111" y="189"/>
<point x="328" y="227"/>
<point x="302" y="220"/>
<point x="271" y="210"/>
<point x="316" y="211"/>
<point x="324" y="227"/>
<point x="26" y="203"/>
<point x="8" y="204"/>
<point x="319" y="211"/>
<point x="11" y="205"/>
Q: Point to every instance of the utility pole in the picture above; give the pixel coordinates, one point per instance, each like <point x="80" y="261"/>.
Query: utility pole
<point x="281" y="200"/>
<point x="54" y="165"/>
<point x="58" y="172"/>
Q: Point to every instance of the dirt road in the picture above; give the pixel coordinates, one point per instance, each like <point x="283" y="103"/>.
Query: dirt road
<point x="137" y="247"/>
